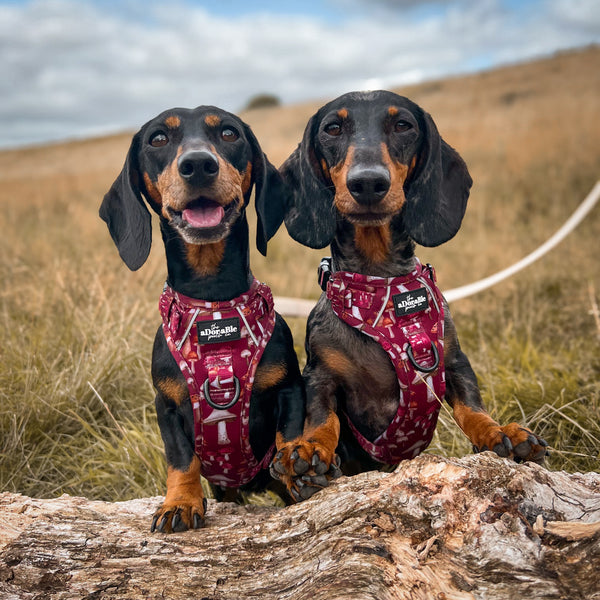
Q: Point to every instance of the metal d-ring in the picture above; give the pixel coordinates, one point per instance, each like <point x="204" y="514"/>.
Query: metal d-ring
<point x="422" y="368"/>
<point x="207" y="397"/>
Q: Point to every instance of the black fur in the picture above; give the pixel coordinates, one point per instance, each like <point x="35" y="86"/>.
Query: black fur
<point x="153" y="174"/>
<point x="373" y="164"/>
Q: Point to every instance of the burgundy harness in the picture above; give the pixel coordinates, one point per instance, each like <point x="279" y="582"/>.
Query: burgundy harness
<point x="405" y="315"/>
<point x="218" y="346"/>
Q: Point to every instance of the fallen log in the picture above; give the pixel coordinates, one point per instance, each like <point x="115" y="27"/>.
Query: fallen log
<point x="479" y="527"/>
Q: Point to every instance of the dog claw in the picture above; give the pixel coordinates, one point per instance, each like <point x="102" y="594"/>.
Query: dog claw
<point x="163" y="522"/>
<point x="153" y="526"/>
<point x="198" y="521"/>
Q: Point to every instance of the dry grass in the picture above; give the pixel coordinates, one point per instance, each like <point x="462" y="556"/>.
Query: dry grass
<point x="76" y="403"/>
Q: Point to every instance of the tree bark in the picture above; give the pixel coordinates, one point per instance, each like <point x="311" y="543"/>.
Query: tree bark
<point x="437" y="528"/>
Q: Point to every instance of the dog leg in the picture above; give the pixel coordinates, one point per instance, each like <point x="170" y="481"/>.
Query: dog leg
<point x="308" y="462"/>
<point x="462" y="393"/>
<point x="184" y="505"/>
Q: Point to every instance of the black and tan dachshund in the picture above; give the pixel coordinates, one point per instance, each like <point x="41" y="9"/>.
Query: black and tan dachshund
<point x="371" y="177"/>
<point x="196" y="169"/>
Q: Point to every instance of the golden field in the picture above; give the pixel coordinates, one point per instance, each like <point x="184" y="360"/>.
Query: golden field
<point x="76" y="401"/>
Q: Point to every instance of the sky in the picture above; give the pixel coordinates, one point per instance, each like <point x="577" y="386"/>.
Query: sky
<point x="79" y="68"/>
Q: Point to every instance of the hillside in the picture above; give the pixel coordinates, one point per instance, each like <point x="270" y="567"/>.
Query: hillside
<point x="74" y="317"/>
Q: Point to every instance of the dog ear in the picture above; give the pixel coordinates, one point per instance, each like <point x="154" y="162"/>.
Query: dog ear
<point x="125" y="213"/>
<point x="268" y="194"/>
<point x="437" y="194"/>
<point x="310" y="216"/>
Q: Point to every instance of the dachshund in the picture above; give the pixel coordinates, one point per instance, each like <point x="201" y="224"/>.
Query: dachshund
<point x="372" y="177"/>
<point x="228" y="385"/>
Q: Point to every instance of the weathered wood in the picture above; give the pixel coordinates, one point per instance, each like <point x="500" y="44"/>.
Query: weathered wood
<point x="477" y="527"/>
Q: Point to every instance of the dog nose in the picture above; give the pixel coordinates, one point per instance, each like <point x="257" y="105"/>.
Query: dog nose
<point x="198" y="167"/>
<point x="368" y="185"/>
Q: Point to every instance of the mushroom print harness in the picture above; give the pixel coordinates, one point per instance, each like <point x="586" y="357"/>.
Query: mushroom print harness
<point x="218" y="346"/>
<point x="405" y="315"/>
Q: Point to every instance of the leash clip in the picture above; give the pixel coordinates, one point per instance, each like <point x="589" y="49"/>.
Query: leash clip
<point x="324" y="272"/>
<point x="236" y="395"/>
<point x="422" y="368"/>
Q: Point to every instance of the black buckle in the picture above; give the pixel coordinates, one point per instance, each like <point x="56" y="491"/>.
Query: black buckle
<point x="210" y="402"/>
<point x="416" y="365"/>
<point x="324" y="271"/>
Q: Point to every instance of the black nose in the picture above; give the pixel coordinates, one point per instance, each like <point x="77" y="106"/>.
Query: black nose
<point x="368" y="185"/>
<point x="198" y="167"/>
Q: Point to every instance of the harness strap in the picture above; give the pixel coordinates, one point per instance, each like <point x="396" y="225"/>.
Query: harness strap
<point x="218" y="346"/>
<point x="405" y="316"/>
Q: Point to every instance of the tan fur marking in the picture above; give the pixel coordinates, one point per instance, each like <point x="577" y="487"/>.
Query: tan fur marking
<point x="395" y="198"/>
<point x="173" y="389"/>
<point x="212" y="120"/>
<point x="205" y="259"/>
<point x="152" y="190"/>
<point x="337" y="362"/>
<point x="184" y="495"/>
<point x="373" y="242"/>
<point x="478" y="426"/>
<point x="392" y="111"/>
<point x="342" y="113"/>
<point x="170" y="186"/>
<point x="247" y="180"/>
<point x="269" y="376"/>
<point x="343" y="199"/>
<point x="173" y="122"/>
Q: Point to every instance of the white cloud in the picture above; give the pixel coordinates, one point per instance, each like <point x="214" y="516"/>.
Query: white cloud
<point x="70" y="68"/>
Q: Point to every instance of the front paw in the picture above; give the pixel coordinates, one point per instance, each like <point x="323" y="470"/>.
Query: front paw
<point x="174" y="518"/>
<point x="305" y="467"/>
<point x="513" y="440"/>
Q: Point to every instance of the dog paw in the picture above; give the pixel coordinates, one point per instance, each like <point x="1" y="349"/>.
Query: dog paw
<point x="514" y="440"/>
<point x="175" y="518"/>
<point x="305" y="468"/>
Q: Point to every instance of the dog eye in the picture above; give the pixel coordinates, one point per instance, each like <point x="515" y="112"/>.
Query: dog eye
<point x="333" y="129"/>
<point x="230" y="134"/>
<point x="158" y="139"/>
<point x="402" y="126"/>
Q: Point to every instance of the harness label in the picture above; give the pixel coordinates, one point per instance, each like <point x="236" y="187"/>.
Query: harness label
<point x="410" y="302"/>
<point x="219" y="330"/>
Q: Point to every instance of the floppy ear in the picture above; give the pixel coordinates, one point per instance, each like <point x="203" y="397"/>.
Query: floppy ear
<point x="125" y="213"/>
<point x="269" y="194"/>
<point x="310" y="216"/>
<point x="436" y="197"/>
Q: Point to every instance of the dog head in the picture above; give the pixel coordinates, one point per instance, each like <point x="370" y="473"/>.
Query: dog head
<point x="367" y="157"/>
<point x="195" y="168"/>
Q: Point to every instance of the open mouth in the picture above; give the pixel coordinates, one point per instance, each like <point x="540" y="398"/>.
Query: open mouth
<point x="203" y="220"/>
<point x="203" y="214"/>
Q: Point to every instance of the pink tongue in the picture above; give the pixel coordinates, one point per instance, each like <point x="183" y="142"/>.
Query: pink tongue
<point x="204" y="216"/>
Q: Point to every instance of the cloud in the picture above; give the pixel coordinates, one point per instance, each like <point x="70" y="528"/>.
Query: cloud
<point x="74" y="68"/>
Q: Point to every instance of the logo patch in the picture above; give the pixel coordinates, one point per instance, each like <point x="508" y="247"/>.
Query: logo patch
<point x="410" y="302"/>
<point x="220" y="330"/>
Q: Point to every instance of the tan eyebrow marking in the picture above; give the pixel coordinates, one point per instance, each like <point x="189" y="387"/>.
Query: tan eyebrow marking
<point x="173" y="122"/>
<point x="212" y="120"/>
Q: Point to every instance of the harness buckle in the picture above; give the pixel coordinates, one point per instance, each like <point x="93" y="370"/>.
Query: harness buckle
<point x="236" y="395"/>
<point x="324" y="272"/>
<point x="422" y="368"/>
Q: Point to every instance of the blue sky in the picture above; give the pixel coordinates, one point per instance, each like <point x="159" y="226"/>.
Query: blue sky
<point x="73" y="68"/>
